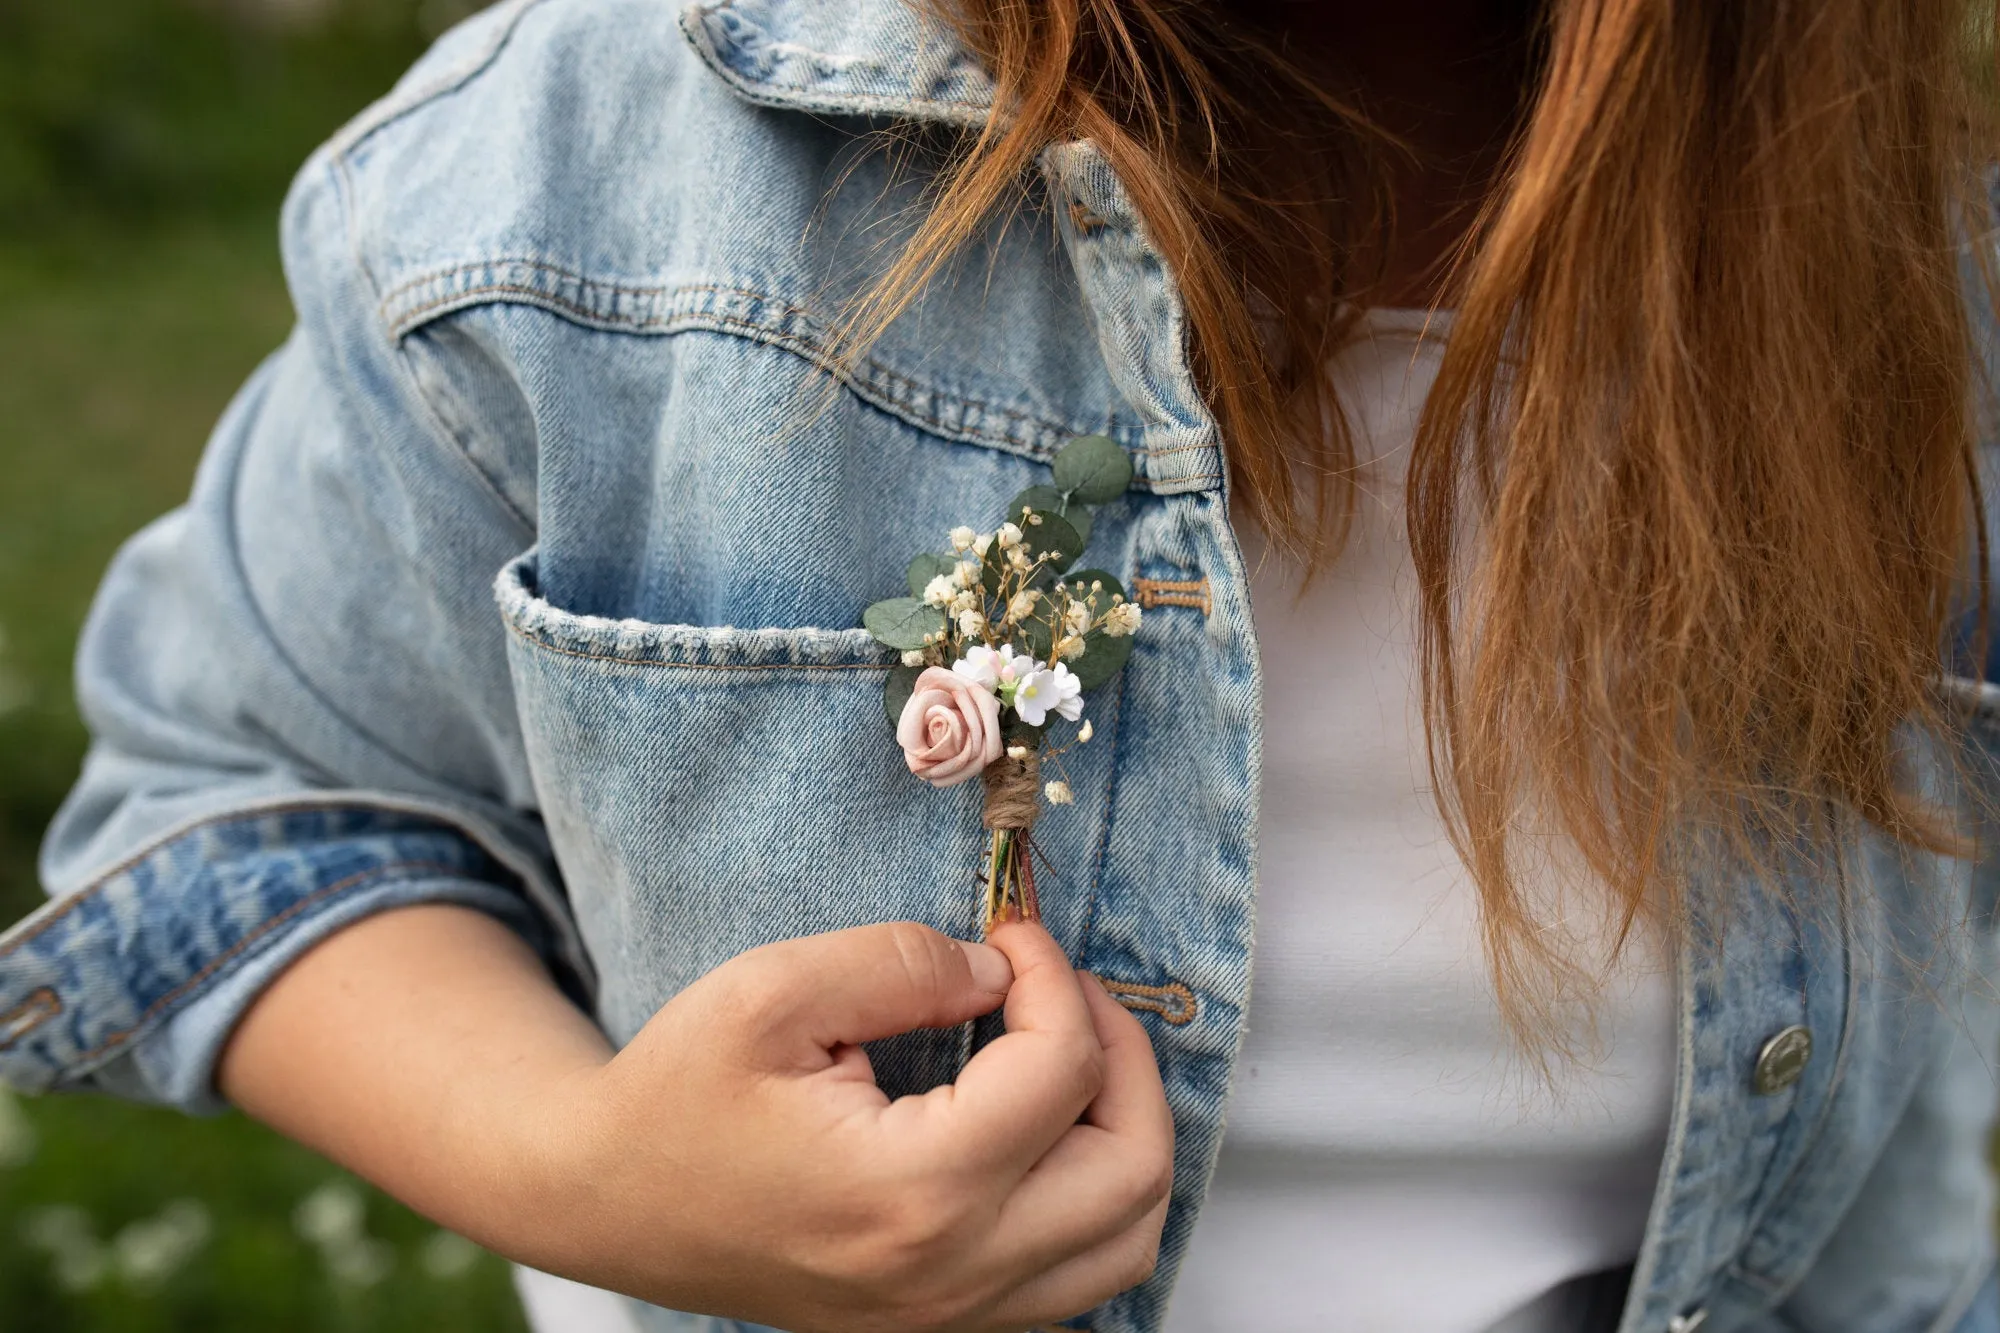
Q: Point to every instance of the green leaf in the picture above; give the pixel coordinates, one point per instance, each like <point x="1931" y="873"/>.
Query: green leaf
<point x="1049" y="500"/>
<point x="924" y="568"/>
<point x="902" y="622"/>
<point x="1053" y="536"/>
<point x="901" y="685"/>
<point x="1102" y="658"/>
<point x="1016" y="732"/>
<point x="1093" y="469"/>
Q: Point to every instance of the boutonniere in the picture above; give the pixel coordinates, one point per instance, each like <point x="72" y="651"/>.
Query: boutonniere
<point x="1000" y="638"/>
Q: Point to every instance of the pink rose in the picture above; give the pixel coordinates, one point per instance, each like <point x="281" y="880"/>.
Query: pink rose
<point x="950" y="728"/>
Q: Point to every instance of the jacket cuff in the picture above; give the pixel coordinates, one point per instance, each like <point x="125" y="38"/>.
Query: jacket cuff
<point x="132" y="983"/>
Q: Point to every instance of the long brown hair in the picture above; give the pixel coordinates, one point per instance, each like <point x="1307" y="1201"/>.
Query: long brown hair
<point x="1693" y="495"/>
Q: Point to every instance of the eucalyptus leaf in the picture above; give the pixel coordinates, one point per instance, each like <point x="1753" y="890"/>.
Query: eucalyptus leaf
<point x="1016" y="732"/>
<point x="1102" y="658"/>
<point x="924" y="568"/>
<point x="1053" y="536"/>
<point x="1092" y="469"/>
<point x="896" y="692"/>
<point x="1049" y="500"/>
<point x="902" y="622"/>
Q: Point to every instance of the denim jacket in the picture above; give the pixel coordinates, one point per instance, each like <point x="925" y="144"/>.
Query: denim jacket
<point x="525" y="576"/>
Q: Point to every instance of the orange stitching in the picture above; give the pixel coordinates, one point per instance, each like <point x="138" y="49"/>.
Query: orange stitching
<point x="38" y="1008"/>
<point x="533" y="642"/>
<point x="1174" y="592"/>
<point x="1085" y="220"/>
<point x="316" y="896"/>
<point x="1155" y="999"/>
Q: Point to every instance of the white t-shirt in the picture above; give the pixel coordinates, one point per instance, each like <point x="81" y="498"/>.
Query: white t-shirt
<point x="1390" y="1161"/>
<point x="1390" y="1164"/>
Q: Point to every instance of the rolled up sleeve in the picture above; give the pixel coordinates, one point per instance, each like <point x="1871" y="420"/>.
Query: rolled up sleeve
<point x="300" y="712"/>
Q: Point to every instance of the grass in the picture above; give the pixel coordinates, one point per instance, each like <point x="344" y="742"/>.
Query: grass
<point x="118" y="349"/>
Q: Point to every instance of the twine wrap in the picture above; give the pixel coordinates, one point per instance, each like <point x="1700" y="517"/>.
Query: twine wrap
<point x="1013" y="792"/>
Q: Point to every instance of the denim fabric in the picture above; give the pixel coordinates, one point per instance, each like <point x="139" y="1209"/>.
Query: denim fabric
<point x="525" y="575"/>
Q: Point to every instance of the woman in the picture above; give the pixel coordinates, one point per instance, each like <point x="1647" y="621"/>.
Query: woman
<point x="1623" y="950"/>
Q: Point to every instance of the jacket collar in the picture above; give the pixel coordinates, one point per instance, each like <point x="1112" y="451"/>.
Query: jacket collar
<point x="883" y="58"/>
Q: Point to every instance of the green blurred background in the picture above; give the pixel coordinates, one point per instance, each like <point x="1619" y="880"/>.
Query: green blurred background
<point x="144" y="148"/>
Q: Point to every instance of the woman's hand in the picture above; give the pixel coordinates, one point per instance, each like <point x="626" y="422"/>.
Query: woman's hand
<point x="737" y="1158"/>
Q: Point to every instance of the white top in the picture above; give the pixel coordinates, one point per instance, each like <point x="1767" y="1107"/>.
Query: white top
<point x="1390" y="1162"/>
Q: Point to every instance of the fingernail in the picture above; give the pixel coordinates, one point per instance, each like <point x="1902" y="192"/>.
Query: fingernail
<point x="991" y="972"/>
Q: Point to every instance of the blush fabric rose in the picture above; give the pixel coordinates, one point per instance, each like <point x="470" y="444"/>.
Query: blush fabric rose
<point x="950" y="728"/>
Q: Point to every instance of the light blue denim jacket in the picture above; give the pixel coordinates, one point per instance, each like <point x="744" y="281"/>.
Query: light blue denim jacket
<point x="449" y="618"/>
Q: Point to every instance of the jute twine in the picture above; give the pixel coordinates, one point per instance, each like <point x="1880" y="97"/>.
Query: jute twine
<point x="1013" y="791"/>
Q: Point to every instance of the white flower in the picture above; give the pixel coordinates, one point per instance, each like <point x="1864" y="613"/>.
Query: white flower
<point x="940" y="590"/>
<point x="1086" y="733"/>
<point x="965" y="601"/>
<point x="961" y="538"/>
<point x="1058" y="793"/>
<point x="1122" y="619"/>
<point x="981" y="544"/>
<point x="914" y="657"/>
<point x="1070" y="647"/>
<point x="1046" y="690"/>
<point x="989" y="666"/>
<point x="1076" y="617"/>
<point x="1010" y="536"/>
<point x="966" y="573"/>
<point x="1017" y="752"/>
<point x="971" y="623"/>
<point x="1018" y="558"/>
<point x="1023" y="604"/>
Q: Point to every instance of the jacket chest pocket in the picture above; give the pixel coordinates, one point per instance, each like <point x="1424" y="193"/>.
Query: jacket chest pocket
<point x="709" y="790"/>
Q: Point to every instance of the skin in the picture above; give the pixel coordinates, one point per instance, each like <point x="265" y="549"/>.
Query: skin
<point x="736" y="1157"/>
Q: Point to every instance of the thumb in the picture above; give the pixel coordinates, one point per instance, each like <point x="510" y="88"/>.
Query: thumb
<point x="851" y="986"/>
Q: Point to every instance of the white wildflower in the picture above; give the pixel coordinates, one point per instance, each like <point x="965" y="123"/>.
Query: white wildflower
<point x="1122" y="619"/>
<point x="446" y="1254"/>
<point x="914" y="657"/>
<point x="1018" y="558"/>
<point x="1022" y="604"/>
<point x="1072" y="647"/>
<point x="1046" y="690"/>
<point x="1076" y="617"/>
<point x="1010" y="536"/>
<point x="983" y="665"/>
<point x="1017" y="752"/>
<point x="966" y="574"/>
<point x="152" y="1250"/>
<point x="940" y="590"/>
<point x="330" y="1214"/>
<point x="1058" y="793"/>
<point x="961" y="541"/>
<point x="971" y="624"/>
<point x="1086" y="733"/>
<point x="64" y="1231"/>
<point x="981" y="544"/>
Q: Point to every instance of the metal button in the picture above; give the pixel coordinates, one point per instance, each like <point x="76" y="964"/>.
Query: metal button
<point x="1694" y="1319"/>
<point x="1782" y="1060"/>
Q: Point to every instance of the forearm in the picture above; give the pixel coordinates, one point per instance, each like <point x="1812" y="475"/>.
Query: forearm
<point x="417" y="1048"/>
